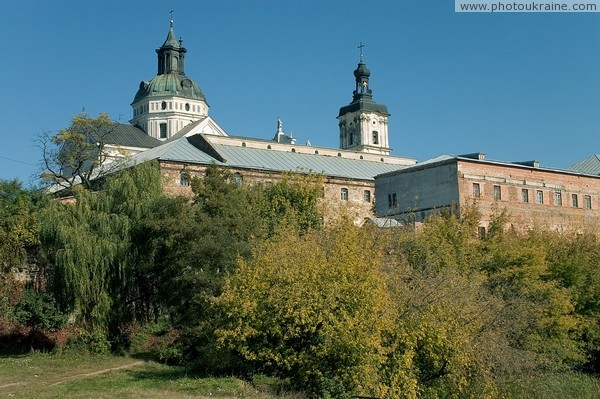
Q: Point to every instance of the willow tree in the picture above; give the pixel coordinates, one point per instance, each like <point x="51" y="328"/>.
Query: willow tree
<point x="89" y="248"/>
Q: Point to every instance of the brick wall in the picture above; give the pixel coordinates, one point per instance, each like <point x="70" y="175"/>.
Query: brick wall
<point x="518" y="189"/>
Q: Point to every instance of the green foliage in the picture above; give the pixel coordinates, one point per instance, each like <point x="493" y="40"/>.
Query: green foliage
<point x="78" y="154"/>
<point x="19" y="240"/>
<point x="539" y="311"/>
<point x="312" y="309"/>
<point x="574" y="261"/>
<point x="94" y="341"/>
<point x="292" y="201"/>
<point x="38" y="311"/>
<point x="159" y="339"/>
<point x="18" y="225"/>
<point x="247" y="280"/>
<point x="89" y="247"/>
<point x="444" y="342"/>
<point x="189" y="248"/>
<point x="446" y="241"/>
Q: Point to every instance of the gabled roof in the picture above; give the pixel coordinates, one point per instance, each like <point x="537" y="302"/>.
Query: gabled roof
<point x="125" y="135"/>
<point x="205" y="124"/>
<point x="589" y="166"/>
<point x="180" y="150"/>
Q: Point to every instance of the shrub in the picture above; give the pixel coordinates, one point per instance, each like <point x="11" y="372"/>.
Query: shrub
<point x="91" y="341"/>
<point x="159" y="339"/>
<point x="38" y="311"/>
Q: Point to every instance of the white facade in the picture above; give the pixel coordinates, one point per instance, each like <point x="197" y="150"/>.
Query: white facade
<point x="172" y="112"/>
<point x="365" y="132"/>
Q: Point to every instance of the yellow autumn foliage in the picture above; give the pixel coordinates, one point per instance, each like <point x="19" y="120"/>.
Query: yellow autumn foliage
<point x="314" y="308"/>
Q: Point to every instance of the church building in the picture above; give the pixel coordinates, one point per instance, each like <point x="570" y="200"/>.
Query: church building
<point x="172" y="125"/>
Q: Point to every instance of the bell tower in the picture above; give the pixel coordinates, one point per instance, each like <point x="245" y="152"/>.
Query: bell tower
<point x="364" y="123"/>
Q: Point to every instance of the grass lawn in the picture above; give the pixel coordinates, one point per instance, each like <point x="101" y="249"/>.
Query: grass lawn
<point x="39" y="375"/>
<point x="72" y="375"/>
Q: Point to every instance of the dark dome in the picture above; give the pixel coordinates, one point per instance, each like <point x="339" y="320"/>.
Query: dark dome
<point x="362" y="70"/>
<point x="169" y="85"/>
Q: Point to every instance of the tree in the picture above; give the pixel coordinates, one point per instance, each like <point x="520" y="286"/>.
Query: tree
<point x="444" y="341"/>
<point x="446" y="241"/>
<point x="189" y="248"/>
<point x="311" y="308"/>
<point x="538" y="312"/>
<point x="94" y="265"/>
<point x="292" y="201"/>
<point x="78" y="154"/>
<point x="19" y="240"/>
<point x="18" y="224"/>
<point x="574" y="261"/>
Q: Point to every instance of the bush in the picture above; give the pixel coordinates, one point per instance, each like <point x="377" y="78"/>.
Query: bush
<point x="91" y="341"/>
<point x="159" y="339"/>
<point x="38" y="310"/>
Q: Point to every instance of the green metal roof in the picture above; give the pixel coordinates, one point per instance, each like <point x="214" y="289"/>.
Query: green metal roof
<point x="121" y="134"/>
<point x="188" y="150"/>
<point x="169" y="84"/>
<point x="588" y="166"/>
<point x="181" y="150"/>
<point x="171" y="40"/>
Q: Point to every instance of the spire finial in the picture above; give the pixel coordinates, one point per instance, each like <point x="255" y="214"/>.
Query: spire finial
<point x="360" y="46"/>
<point x="171" y="19"/>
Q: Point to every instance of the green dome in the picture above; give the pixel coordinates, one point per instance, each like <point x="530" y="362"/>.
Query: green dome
<point x="169" y="85"/>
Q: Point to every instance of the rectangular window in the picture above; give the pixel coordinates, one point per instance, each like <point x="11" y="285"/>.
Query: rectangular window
<point x="540" y="197"/>
<point x="476" y="190"/>
<point x="367" y="196"/>
<point x="574" y="200"/>
<point x="525" y="195"/>
<point x="558" y="198"/>
<point x="163" y="131"/>
<point x="587" y="201"/>
<point x="238" y="179"/>
<point x="184" y="178"/>
<point x="344" y="194"/>
<point x="481" y="232"/>
<point x="497" y="193"/>
<point x="392" y="202"/>
<point x="375" y="137"/>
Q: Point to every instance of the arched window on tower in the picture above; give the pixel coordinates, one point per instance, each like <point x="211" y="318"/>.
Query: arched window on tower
<point x="375" y="137"/>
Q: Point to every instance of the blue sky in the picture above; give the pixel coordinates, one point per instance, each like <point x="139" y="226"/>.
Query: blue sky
<point x="518" y="86"/>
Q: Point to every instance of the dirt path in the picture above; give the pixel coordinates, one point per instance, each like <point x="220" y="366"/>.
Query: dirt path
<point x="84" y="375"/>
<point x="78" y="376"/>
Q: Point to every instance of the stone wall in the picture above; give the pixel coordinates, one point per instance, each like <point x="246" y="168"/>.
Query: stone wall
<point x="355" y="204"/>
